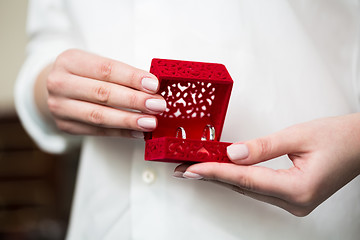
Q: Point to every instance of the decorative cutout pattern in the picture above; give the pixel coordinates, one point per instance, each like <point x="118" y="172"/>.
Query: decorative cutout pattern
<point x="188" y="100"/>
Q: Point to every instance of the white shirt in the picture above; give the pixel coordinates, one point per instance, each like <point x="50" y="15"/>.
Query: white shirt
<point x="291" y="61"/>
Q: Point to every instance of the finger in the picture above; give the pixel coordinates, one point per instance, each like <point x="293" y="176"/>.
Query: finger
<point x="96" y="67"/>
<point x="260" y="197"/>
<point x="180" y="169"/>
<point x="78" y="128"/>
<point x="293" y="209"/>
<point x="109" y="94"/>
<point x="287" y="141"/>
<point x="101" y="116"/>
<point x="257" y="179"/>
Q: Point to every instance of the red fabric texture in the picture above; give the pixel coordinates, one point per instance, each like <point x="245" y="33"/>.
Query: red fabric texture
<point x="197" y="94"/>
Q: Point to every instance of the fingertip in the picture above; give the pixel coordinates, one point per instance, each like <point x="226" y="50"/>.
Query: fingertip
<point x="147" y="123"/>
<point x="180" y="170"/>
<point x="237" y="152"/>
<point x="178" y="174"/>
<point x="156" y="105"/>
<point x="191" y="175"/>
<point x="150" y="85"/>
<point x="205" y="169"/>
<point x="182" y="167"/>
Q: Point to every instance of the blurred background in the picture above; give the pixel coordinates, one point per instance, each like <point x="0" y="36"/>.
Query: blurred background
<point x="35" y="188"/>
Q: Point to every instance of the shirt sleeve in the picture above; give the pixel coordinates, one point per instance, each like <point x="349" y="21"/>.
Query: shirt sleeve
<point x="357" y="70"/>
<point x="50" y="32"/>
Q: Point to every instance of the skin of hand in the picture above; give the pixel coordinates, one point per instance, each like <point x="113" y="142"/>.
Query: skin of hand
<point x="86" y="94"/>
<point x="325" y="154"/>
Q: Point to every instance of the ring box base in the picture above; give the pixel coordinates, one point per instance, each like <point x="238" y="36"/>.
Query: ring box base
<point x="177" y="150"/>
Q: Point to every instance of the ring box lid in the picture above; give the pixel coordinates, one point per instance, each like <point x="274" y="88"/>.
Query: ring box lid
<point x="196" y="94"/>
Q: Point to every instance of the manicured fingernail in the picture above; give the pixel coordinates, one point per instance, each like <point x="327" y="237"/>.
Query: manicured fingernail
<point x="150" y="84"/>
<point x="237" y="151"/>
<point x="147" y="123"/>
<point x="190" y="175"/>
<point x="156" y="105"/>
<point x="137" y="134"/>
<point x="178" y="174"/>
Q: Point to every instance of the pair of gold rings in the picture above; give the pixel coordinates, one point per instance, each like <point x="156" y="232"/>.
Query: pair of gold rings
<point x="208" y="133"/>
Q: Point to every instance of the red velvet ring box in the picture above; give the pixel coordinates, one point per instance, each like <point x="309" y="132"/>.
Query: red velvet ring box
<point x="197" y="94"/>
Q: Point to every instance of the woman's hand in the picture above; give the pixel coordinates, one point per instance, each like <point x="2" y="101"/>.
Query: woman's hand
<point x="92" y="95"/>
<point x="325" y="154"/>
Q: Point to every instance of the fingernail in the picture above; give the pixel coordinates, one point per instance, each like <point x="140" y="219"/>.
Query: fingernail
<point x="156" y="105"/>
<point x="150" y="84"/>
<point x="137" y="134"/>
<point x="147" y="123"/>
<point x="178" y="174"/>
<point x="190" y="175"/>
<point x="237" y="151"/>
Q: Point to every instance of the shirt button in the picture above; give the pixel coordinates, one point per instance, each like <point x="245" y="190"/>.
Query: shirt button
<point x="148" y="176"/>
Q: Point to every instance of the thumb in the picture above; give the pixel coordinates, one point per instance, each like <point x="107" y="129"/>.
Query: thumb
<point x="264" y="148"/>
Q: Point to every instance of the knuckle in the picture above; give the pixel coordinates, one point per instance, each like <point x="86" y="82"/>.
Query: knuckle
<point x="52" y="104"/>
<point x="63" y="126"/>
<point x="102" y="94"/>
<point x="105" y="69"/>
<point x="245" y="183"/>
<point x="65" y="57"/>
<point x="128" y="123"/>
<point x="133" y="101"/>
<point x="96" y="117"/>
<point x="264" y="146"/>
<point x="69" y="52"/>
<point x="54" y="82"/>
<point x="134" y="77"/>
